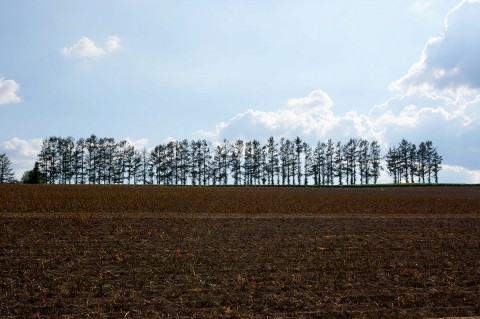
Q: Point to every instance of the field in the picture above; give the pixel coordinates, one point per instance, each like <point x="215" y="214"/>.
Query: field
<point x="247" y="252"/>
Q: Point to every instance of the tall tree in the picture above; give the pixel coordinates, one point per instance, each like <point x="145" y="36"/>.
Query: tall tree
<point x="350" y="154"/>
<point x="307" y="162"/>
<point x="248" y="166"/>
<point x="257" y="161"/>
<point x="319" y="166"/>
<point x="92" y="143"/>
<point x="272" y="163"/>
<point x="6" y="172"/>
<point x="393" y="164"/>
<point x="79" y="162"/>
<point x="183" y="161"/>
<point x="236" y="156"/>
<point x="224" y="151"/>
<point x="422" y="161"/>
<point x="329" y="162"/>
<point x="338" y="159"/>
<point x="404" y="151"/>
<point x="363" y="159"/>
<point x="297" y="162"/>
<point x="195" y="162"/>
<point x="375" y="160"/>
<point x="436" y="164"/>
<point x="206" y="158"/>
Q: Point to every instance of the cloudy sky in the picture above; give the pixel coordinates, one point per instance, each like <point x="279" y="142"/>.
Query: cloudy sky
<point x="149" y="70"/>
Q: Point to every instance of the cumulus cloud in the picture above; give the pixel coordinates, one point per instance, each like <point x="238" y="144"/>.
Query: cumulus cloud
<point x="22" y="153"/>
<point x="137" y="144"/>
<point x="310" y="116"/>
<point x="8" y="91"/>
<point x="453" y="174"/>
<point x="452" y="124"/>
<point x="85" y="48"/>
<point x="23" y="147"/>
<point x="439" y="100"/>
<point x="449" y="63"/>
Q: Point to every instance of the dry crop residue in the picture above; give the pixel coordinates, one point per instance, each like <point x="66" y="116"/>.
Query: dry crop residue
<point x="205" y="252"/>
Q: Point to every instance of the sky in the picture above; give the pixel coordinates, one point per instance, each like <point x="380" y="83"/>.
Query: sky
<point x="153" y="70"/>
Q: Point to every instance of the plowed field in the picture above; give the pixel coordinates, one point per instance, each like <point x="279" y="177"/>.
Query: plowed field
<point x="211" y="252"/>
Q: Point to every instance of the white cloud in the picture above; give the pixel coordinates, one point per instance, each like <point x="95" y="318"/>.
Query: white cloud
<point x="452" y="174"/>
<point x="22" y="153"/>
<point x="439" y="101"/>
<point x="8" y="91"/>
<point x="112" y="44"/>
<point x="23" y="147"/>
<point x="452" y="124"/>
<point x="449" y="63"/>
<point x="310" y="117"/>
<point x="85" y="48"/>
<point x="137" y="144"/>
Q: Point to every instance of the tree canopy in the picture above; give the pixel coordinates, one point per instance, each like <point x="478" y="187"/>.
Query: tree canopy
<point x="6" y="173"/>
<point x="95" y="160"/>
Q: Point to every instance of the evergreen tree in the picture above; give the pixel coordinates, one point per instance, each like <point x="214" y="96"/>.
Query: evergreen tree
<point x="338" y="160"/>
<point x="375" y="161"/>
<point x="34" y="176"/>
<point x="6" y="172"/>
<point x="298" y="167"/>
<point x="436" y="164"/>
<point x="307" y="162"/>
<point x="272" y="163"/>
<point x="350" y="154"/>
<point x="329" y="162"/>
<point x="236" y="155"/>
<point x="393" y="164"/>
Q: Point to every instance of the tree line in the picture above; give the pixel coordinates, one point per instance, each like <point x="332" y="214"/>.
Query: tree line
<point x="406" y="162"/>
<point x="95" y="160"/>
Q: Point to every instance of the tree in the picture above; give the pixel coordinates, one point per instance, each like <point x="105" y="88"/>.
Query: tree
<point x="182" y="160"/>
<point x="220" y="164"/>
<point x="34" y="176"/>
<point x="329" y="162"/>
<point x="272" y="161"/>
<point x="422" y="161"/>
<point x="205" y="159"/>
<point x="257" y="161"/>
<point x="350" y="154"/>
<point x="338" y="162"/>
<point x="97" y="160"/>
<point x="307" y="163"/>
<point x="393" y="164"/>
<point x="297" y="162"/>
<point x="319" y="164"/>
<point x="79" y="162"/>
<point x="224" y="165"/>
<point x="92" y="158"/>
<point x="376" y="166"/>
<point x="248" y="163"/>
<point x="236" y="155"/>
<point x="436" y="164"/>
<point x="6" y="173"/>
<point x="363" y="159"/>
<point x="405" y="161"/>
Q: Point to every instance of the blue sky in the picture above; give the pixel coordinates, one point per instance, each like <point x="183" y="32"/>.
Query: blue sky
<point x="149" y="70"/>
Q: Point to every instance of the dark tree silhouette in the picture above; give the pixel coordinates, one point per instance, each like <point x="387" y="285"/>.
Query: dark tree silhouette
<point x="6" y="172"/>
<point x="97" y="160"/>
<point x="34" y="176"/>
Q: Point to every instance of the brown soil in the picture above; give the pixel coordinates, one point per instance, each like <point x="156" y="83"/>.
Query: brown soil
<point x="186" y="252"/>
